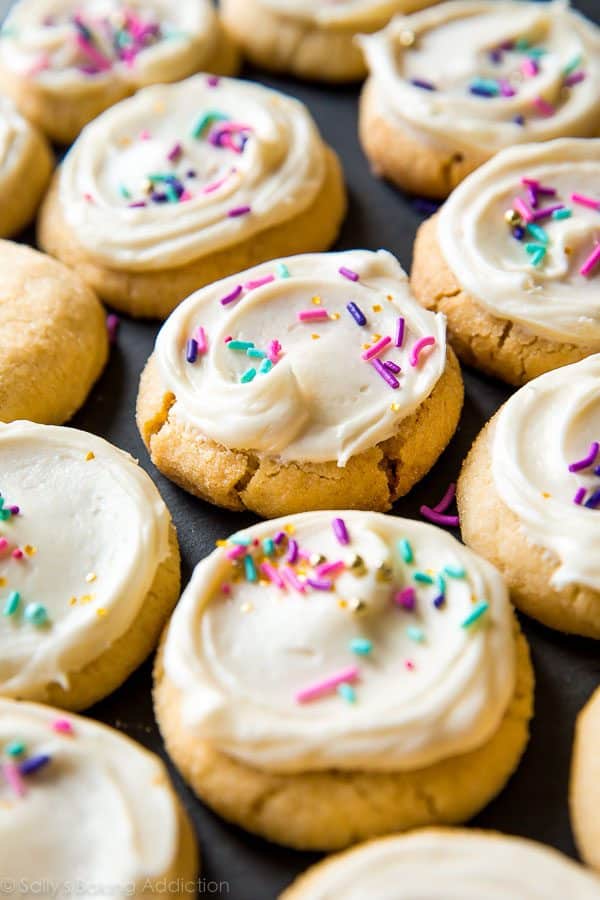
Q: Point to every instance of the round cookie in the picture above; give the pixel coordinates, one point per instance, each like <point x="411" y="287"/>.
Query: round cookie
<point x="184" y="184"/>
<point x="65" y="61"/>
<point x="529" y="497"/>
<point x="89" y="565"/>
<point x="446" y="864"/>
<point x="332" y="677"/>
<point x="53" y="337"/>
<point x="85" y="810"/>
<point x="451" y="86"/>
<point x="584" y="793"/>
<point x="309" y="38"/>
<point x="25" y="167"/>
<point x="512" y="260"/>
<point x="313" y="382"/>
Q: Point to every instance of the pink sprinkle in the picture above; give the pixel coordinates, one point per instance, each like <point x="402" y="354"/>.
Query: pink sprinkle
<point x="100" y="61"/>
<point x="3" y="543"/>
<point x="319" y="584"/>
<point x="506" y="88"/>
<point x="62" y="726"/>
<point x="400" y="328"/>
<point x="274" y="351"/>
<point x="227" y="339"/>
<point x="574" y="78"/>
<point x="213" y="80"/>
<point x="229" y="298"/>
<point x="438" y="519"/>
<point x="409" y="665"/>
<point x="340" y="531"/>
<point x="529" y="67"/>
<point x="584" y="200"/>
<point x="185" y="196"/>
<point x="327" y="685"/>
<point x="330" y="568"/>
<point x="348" y="273"/>
<point x="17" y="554"/>
<point x="238" y="211"/>
<point x="215" y="185"/>
<point x="313" y="315"/>
<point x="13" y="778"/>
<point x="145" y="135"/>
<point x="446" y="500"/>
<point x="292" y="579"/>
<point x="531" y="182"/>
<point x="545" y="108"/>
<point x="226" y="589"/>
<point x="88" y="197"/>
<point x="377" y="348"/>
<point x="175" y="152"/>
<point x="201" y="340"/>
<point x="579" y="496"/>
<point x="525" y="211"/>
<point x="406" y="598"/>
<point x="258" y="282"/>
<point x="591" y="262"/>
<point x="272" y="574"/>
<point x="418" y="348"/>
<point x="235" y="552"/>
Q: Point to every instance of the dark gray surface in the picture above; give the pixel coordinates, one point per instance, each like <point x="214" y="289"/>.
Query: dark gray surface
<point x="534" y="803"/>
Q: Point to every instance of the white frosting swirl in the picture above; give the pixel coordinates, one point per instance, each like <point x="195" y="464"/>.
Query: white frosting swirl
<point x="101" y="813"/>
<point x="449" y="865"/>
<point x="455" y="45"/>
<point x="427" y="689"/>
<point x="544" y="428"/>
<point x="230" y="196"/>
<point x="92" y="533"/>
<point x="16" y="135"/>
<point x="345" y="13"/>
<point x="551" y="298"/>
<point x="42" y="39"/>
<point x="312" y="405"/>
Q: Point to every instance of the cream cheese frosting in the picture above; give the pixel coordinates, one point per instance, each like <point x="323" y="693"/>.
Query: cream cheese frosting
<point x="479" y="76"/>
<point x="542" y="438"/>
<point x="532" y="268"/>
<point x="344" y="13"/>
<point x="65" y="44"/>
<point x="16" y="135"/>
<point x="179" y="171"/>
<point x="92" y="813"/>
<point x="281" y="351"/>
<point x="450" y="865"/>
<point x="82" y="533"/>
<point x="413" y="629"/>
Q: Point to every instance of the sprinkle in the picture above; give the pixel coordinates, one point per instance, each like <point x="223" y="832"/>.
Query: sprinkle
<point x="400" y="327"/>
<point x="406" y="551"/>
<point x="17" y="553"/>
<point x="175" y="152"/>
<point x="409" y="665"/>
<point x="348" y="273"/>
<point x="417" y="348"/>
<point x="62" y="726"/>
<point x="421" y="83"/>
<point x="406" y="598"/>
<point x="377" y="348"/>
<point x="254" y="353"/>
<point x="563" y="213"/>
<point x="265" y="366"/>
<point x="439" y="601"/>
<point x="213" y="80"/>
<point x="385" y="373"/>
<point x="330" y="568"/>
<point x="292" y="579"/>
<point x="454" y="571"/>
<point x="235" y="552"/>
<point x="392" y="367"/>
<point x="274" y="351"/>
<point x="530" y="67"/>
<point x="537" y="253"/>
<point x="340" y="531"/>
<point x="191" y="350"/>
<point x="415" y="633"/>
<point x="36" y="613"/>
<point x="361" y="646"/>
<point x="319" y="584"/>
<point x="539" y="233"/>
<point x="446" y="500"/>
<point x="327" y="685"/>
<point x="215" y="185"/>
<point x="543" y="107"/>
<point x="250" y="568"/>
<point x="588" y="460"/>
<point x="346" y="691"/>
<point x="258" y="282"/>
<point x="12" y="603"/>
<point x="201" y="340"/>
<point x="313" y="315"/>
<point x="593" y="501"/>
<point x="423" y="578"/>
<point x="240" y="345"/>
<point x="584" y="200"/>
<point x="112" y="327"/>
<point x="483" y="87"/>
<point x="272" y="574"/>
<point x="207" y="119"/>
<point x="282" y="270"/>
<point x="438" y="519"/>
<point x="575" y="78"/>
<point x="3" y="543"/>
<point x="523" y="209"/>
<point x="292" y="553"/>
<point x="12" y="776"/>
<point x="519" y="120"/>
<point x="478" y="610"/>
<point x="579" y="496"/>
<point x="229" y="298"/>
<point x="357" y="314"/>
<point x="238" y="211"/>
<point x="574" y="64"/>
<point x="591" y="262"/>
<point x="15" y="748"/>
<point x="34" y="764"/>
<point x="547" y="211"/>
<point x="506" y="88"/>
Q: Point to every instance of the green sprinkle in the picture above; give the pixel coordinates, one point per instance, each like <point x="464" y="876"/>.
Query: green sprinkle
<point x="12" y="603"/>
<point x="441" y="583"/>
<point x="539" y="233"/>
<point x="361" y="646"/>
<point x="172" y="195"/>
<point x="346" y="691"/>
<point x="454" y="571"/>
<point x="562" y="213"/>
<point x="282" y="270"/>
<point x="240" y="345"/>
<point x="265" y="366"/>
<point x="1" y="502"/>
<point x="207" y="119"/>
<point x="250" y="569"/>
<point x="36" y="613"/>
<point x="15" y="748"/>
<point x="423" y="578"/>
<point x="4" y="515"/>
<point x="478" y="610"/>
<point x="269" y="546"/>
<point x="248" y="375"/>
<point x="415" y="633"/>
<point x="124" y="192"/>
<point x="405" y="550"/>
<point x="574" y="64"/>
<point x="255" y="353"/>
<point x="240" y="541"/>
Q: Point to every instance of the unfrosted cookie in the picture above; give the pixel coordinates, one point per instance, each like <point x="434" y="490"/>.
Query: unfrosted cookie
<point x="451" y="86"/>
<point x="446" y="864"/>
<point x="512" y="260"/>
<point x="25" y="166"/>
<point x="529" y="497"/>
<point x="312" y="382"/>
<point x="86" y="811"/>
<point x="309" y="38"/>
<point x="53" y="337"/>
<point x="336" y="676"/>
<point x="65" y="61"/>
<point x="184" y="184"/>
<point x="585" y="783"/>
<point x="89" y="565"/>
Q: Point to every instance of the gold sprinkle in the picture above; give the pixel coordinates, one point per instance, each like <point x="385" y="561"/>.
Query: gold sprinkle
<point x="335" y="316"/>
<point x="91" y="576"/>
<point x="376" y="337"/>
<point x="100" y="611"/>
<point x="87" y="598"/>
<point x="376" y="308"/>
<point x="512" y="217"/>
<point x="30" y="550"/>
<point x="407" y="37"/>
<point x="315" y="337"/>
<point x="316" y="301"/>
<point x="316" y="559"/>
<point x="342" y="604"/>
<point x="289" y="528"/>
<point x="89" y="455"/>
<point x="358" y="606"/>
<point x="366" y="346"/>
<point x="389" y="297"/>
<point x="357" y="564"/>
<point x="247" y="607"/>
<point x="546" y="496"/>
<point x="2" y="582"/>
<point x="395" y="407"/>
<point x="221" y="543"/>
<point x="72" y="601"/>
<point x="384" y="572"/>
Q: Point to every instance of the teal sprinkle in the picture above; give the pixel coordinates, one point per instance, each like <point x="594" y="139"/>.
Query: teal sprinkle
<point x="441" y="583"/>
<point x="415" y="633"/>
<point x="160" y="177"/>
<point x="537" y="253"/>
<point x="1" y="502"/>
<point x="240" y="541"/>
<point x="250" y="569"/>
<point x="478" y="610"/>
<point x="522" y="44"/>
<point x="123" y="38"/>
<point x="269" y="546"/>
<point x="265" y="366"/>
<point x="255" y="353"/>
<point x="240" y="345"/>
<point x="282" y="270"/>
<point x="172" y="195"/>
<point x="361" y="646"/>
<point x="12" y="603"/>
<point x="454" y="571"/>
<point x="15" y="748"/>
<point x="248" y="375"/>
<point x="124" y="192"/>
<point x="486" y="84"/>
<point x="346" y="691"/>
<point x="36" y="613"/>
<point x="574" y="64"/>
<point x="4" y="515"/>
<point x="562" y="213"/>
<point x="537" y="52"/>
<point x="207" y="119"/>
<point x="539" y="233"/>
<point x="405" y="550"/>
<point x="423" y="578"/>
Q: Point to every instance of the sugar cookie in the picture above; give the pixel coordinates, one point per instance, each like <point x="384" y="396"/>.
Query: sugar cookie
<point x="184" y="184"/>
<point x="529" y="497"/>
<point x="306" y="383"/>
<point x="336" y="676"/>
<point x="65" y="61"/>
<point x="452" y="85"/>
<point x="512" y="260"/>
<point x="89" y="565"/>
<point x="585" y="782"/>
<point x="85" y="810"/>
<point x="25" y="166"/>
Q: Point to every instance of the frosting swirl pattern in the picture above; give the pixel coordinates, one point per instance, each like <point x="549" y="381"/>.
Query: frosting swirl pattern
<point x="488" y="74"/>
<point x="181" y="170"/>
<point x="546" y="470"/>
<point x="360" y="642"/>
<point x="82" y="533"/>
<point x="266" y="348"/>
<point x="521" y="236"/>
<point x="15" y="141"/>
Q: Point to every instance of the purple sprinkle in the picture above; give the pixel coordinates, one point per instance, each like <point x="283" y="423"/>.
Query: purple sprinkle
<point x="439" y="601"/>
<point x="385" y="374"/>
<point x="575" y="78"/>
<point x="546" y="211"/>
<point x="229" y="298"/>
<point x="348" y="273"/>
<point x="319" y="584"/>
<point x="280" y="536"/>
<point x="158" y="197"/>
<point x="518" y="232"/>
<point x="34" y="764"/>
<point x="340" y="531"/>
<point x="406" y="598"/>
<point x="357" y="314"/>
<point x="578" y="498"/>
<point x="519" y="120"/>
<point x="112" y="326"/>
<point x="496" y="55"/>
<point x="292" y="554"/>
<point x="421" y="83"/>
<point x="238" y="211"/>
<point x="587" y="460"/>
<point x="400" y="327"/>
<point x="594" y="500"/>
<point x="191" y="173"/>
<point x="532" y="195"/>
<point x="175" y="152"/>
<point x="597" y="470"/>
<point x="546" y="191"/>
<point x="213" y="80"/>
<point x="191" y="350"/>
<point x="392" y="367"/>
<point x="136" y="204"/>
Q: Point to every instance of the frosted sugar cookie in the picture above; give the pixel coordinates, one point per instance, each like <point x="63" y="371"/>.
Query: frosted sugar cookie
<point x="452" y="85"/>
<point x="89" y="565"/>
<point x="529" y="497"/>
<point x="585" y="782"/>
<point x="513" y="260"/>
<point x="53" y="337"/>
<point x="335" y="676"/>
<point x="446" y="863"/>
<point x="309" y="38"/>
<point x="25" y="166"/>
<point x="306" y="383"/>
<point x="184" y="184"/>
<point x="85" y="810"/>
<point x="65" y="61"/>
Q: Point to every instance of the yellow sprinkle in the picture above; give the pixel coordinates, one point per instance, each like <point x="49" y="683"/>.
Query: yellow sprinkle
<point x="72" y="601"/>
<point x="29" y="550"/>
<point x="342" y="604"/>
<point x="376" y="337"/>
<point x="546" y="496"/>
<point x="389" y="297"/>
<point x="87" y="598"/>
<point x="395" y="407"/>
<point x="100" y="611"/>
<point x="316" y="301"/>
<point x="89" y="455"/>
<point x="247" y="607"/>
<point x="376" y="308"/>
<point x="315" y="337"/>
<point x="334" y="316"/>
<point x="2" y="582"/>
<point x="91" y="576"/>
<point x="366" y="346"/>
<point x="289" y="528"/>
<point x="221" y="543"/>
